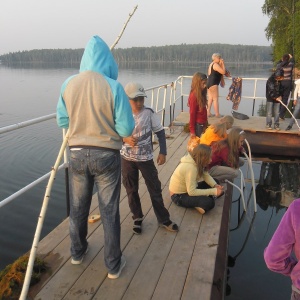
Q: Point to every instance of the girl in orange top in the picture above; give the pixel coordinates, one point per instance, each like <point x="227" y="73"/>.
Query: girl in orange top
<point x="217" y="131"/>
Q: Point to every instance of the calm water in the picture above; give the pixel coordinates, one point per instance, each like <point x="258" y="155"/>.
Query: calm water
<point x="27" y="154"/>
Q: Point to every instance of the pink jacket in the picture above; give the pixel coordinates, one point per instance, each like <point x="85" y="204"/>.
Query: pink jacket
<point x="286" y="239"/>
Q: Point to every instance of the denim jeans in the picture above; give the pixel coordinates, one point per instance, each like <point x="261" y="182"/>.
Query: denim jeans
<point x="295" y="113"/>
<point x="185" y="200"/>
<point x="130" y="174"/>
<point x="270" y="106"/>
<point x="102" y="168"/>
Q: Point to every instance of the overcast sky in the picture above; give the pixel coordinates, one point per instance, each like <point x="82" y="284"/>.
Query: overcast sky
<point x="53" y="24"/>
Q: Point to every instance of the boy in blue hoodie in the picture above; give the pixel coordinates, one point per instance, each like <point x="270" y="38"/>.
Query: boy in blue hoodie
<point x="95" y="109"/>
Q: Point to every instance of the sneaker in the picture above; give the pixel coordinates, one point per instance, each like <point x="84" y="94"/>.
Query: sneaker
<point x="281" y="118"/>
<point x="137" y="226"/>
<point x="289" y="127"/>
<point x="79" y="260"/>
<point x="117" y="275"/>
<point x="269" y="126"/>
<point x="276" y="127"/>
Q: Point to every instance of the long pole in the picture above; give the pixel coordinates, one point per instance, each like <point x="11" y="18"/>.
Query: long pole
<point x="36" y="239"/>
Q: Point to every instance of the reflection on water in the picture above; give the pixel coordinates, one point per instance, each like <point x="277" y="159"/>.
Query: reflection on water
<point x="278" y="184"/>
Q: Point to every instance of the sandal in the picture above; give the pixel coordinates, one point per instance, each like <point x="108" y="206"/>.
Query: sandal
<point x="210" y="115"/>
<point x="137" y="226"/>
<point x="169" y="225"/>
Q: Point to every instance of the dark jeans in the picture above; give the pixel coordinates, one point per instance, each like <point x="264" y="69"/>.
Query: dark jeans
<point x="287" y="86"/>
<point x="205" y="202"/>
<point x="130" y="174"/>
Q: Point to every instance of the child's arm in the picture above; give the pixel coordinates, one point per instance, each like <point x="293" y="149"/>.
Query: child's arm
<point x="161" y="159"/>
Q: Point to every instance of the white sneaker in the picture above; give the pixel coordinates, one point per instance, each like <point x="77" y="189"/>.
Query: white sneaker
<point x="117" y="275"/>
<point x="78" y="261"/>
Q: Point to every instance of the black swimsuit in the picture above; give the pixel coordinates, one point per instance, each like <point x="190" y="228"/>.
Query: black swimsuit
<point x="214" y="78"/>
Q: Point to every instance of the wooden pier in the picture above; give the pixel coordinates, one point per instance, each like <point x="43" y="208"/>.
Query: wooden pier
<point x="190" y="264"/>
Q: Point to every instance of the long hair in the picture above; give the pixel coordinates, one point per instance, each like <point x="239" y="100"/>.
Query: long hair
<point x="220" y="128"/>
<point x="199" y="89"/>
<point x="232" y="142"/>
<point x="201" y="155"/>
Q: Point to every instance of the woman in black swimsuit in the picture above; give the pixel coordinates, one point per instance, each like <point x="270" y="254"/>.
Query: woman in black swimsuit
<point x="215" y="72"/>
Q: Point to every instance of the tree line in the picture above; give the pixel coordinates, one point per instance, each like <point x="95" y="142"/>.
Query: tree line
<point x="283" y="27"/>
<point x="170" y="53"/>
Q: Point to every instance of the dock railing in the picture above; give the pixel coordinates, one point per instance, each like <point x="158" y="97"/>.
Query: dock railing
<point x="167" y="100"/>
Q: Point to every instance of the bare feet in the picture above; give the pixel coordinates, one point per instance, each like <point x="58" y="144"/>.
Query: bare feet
<point x="200" y="210"/>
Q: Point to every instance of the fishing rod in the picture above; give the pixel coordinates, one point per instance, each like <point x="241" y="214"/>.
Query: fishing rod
<point x="54" y="169"/>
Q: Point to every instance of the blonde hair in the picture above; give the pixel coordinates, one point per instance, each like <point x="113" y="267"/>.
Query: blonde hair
<point x="201" y="155"/>
<point x="232" y="142"/>
<point x="220" y="128"/>
<point x="215" y="55"/>
<point x="199" y="90"/>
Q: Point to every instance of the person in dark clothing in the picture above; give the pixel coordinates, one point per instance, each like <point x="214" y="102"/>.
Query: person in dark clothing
<point x="274" y="95"/>
<point x="287" y="65"/>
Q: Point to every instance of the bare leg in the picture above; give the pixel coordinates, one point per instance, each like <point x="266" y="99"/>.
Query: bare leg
<point x="209" y="102"/>
<point x="213" y="98"/>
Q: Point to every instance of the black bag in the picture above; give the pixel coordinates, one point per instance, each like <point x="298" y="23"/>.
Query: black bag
<point x="239" y="116"/>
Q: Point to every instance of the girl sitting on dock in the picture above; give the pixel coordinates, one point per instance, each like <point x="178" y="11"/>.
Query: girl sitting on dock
<point x="217" y="131"/>
<point x="191" y="186"/>
<point x="226" y="153"/>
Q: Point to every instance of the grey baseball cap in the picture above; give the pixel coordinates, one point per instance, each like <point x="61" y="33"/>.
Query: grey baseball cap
<point x="134" y="90"/>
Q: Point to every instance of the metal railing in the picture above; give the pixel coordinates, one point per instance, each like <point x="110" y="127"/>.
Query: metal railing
<point x="163" y="97"/>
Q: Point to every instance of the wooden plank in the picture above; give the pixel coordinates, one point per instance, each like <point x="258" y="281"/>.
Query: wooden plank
<point x="173" y="276"/>
<point x="62" y="249"/>
<point x="200" y="276"/>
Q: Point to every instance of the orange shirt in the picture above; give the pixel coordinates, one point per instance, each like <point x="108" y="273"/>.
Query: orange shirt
<point x="209" y="136"/>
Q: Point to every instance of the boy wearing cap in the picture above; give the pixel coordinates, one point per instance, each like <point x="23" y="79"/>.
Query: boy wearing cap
<point x="274" y="96"/>
<point x="137" y="155"/>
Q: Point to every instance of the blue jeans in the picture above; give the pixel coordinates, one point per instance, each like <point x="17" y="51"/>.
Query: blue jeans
<point x="100" y="167"/>
<point x="295" y="113"/>
<point x="270" y="107"/>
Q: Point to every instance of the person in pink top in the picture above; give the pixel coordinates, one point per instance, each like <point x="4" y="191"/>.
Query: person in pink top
<point x="197" y="102"/>
<point x="226" y="154"/>
<point x="279" y="254"/>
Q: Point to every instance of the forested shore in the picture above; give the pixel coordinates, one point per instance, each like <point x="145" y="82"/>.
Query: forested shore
<point x="173" y="53"/>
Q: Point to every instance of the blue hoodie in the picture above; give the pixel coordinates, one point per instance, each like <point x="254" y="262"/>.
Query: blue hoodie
<point x="92" y="104"/>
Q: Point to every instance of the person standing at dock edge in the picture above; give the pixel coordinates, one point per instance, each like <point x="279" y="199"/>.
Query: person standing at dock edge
<point x="279" y="254"/>
<point x="296" y="104"/>
<point x="215" y="72"/>
<point x="287" y="65"/>
<point x="137" y="154"/>
<point x="95" y="108"/>
<point x="274" y="95"/>
<point x="197" y="103"/>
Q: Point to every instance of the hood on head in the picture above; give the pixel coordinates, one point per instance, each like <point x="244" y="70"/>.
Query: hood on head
<point x="97" y="57"/>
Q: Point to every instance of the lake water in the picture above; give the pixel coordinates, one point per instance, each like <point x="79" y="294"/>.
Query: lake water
<point x="28" y="153"/>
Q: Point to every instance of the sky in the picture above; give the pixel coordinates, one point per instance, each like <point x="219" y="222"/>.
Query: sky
<point x="61" y="24"/>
